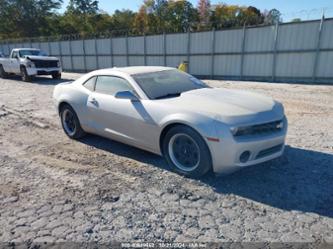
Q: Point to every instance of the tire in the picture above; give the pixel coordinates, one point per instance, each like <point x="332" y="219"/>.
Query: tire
<point x="25" y="76"/>
<point x="186" y="152"/>
<point x="70" y="123"/>
<point x="56" y="76"/>
<point x="3" y="74"/>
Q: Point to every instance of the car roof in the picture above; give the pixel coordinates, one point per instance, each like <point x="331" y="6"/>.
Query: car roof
<point x="133" y="70"/>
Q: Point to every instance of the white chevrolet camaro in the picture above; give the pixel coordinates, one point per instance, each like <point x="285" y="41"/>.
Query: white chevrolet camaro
<point x="195" y="127"/>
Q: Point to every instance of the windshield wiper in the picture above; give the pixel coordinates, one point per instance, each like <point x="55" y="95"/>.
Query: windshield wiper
<point x="169" y="95"/>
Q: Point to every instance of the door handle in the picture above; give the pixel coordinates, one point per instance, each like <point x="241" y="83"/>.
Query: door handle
<point x="93" y="101"/>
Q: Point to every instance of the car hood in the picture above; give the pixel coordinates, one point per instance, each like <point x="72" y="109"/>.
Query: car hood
<point x="226" y="104"/>
<point x="42" y="58"/>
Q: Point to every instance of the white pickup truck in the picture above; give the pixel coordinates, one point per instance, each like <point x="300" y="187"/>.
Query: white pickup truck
<point x="29" y="62"/>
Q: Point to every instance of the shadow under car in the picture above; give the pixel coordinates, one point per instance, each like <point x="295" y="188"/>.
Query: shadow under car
<point x="299" y="180"/>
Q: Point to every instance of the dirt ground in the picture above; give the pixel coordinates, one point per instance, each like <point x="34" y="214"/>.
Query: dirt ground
<point x="56" y="189"/>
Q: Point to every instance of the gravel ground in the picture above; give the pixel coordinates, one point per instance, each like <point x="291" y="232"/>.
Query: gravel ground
<point x="54" y="189"/>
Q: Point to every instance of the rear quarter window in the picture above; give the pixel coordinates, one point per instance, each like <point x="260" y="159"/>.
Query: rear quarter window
<point x="90" y="84"/>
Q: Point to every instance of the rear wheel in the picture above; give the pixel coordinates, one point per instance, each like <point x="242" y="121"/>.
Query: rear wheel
<point x="3" y="73"/>
<point x="25" y="76"/>
<point x="186" y="152"/>
<point x="70" y="122"/>
<point x="56" y="76"/>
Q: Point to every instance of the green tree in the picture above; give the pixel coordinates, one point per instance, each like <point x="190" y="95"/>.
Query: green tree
<point x="122" y="21"/>
<point x="159" y="13"/>
<point x="253" y="16"/>
<point x="82" y="7"/>
<point x="27" y="18"/>
<point x="85" y="17"/>
<point x="4" y="19"/>
<point x="296" y="20"/>
<point x="273" y="17"/>
<point x="225" y="16"/>
<point x="181" y="16"/>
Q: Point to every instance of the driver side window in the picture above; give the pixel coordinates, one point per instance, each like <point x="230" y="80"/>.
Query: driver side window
<point x="15" y="55"/>
<point x="112" y="85"/>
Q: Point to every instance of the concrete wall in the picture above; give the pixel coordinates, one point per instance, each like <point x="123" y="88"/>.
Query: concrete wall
<point x="286" y="52"/>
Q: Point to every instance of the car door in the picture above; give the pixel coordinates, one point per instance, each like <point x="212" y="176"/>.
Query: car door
<point x="120" y="119"/>
<point x="15" y="63"/>
<point x="8" y="63"/>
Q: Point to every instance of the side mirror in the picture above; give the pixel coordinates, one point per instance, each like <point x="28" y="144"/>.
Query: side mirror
<point x="127" y="95"/>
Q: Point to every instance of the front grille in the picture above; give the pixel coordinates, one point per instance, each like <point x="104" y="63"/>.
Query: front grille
<point x="269" y="151"/>
<point x="45" y="64"/>
<point x="261" y="129"/>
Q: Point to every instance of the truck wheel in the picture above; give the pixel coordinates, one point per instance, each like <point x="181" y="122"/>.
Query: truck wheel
<point x="3" y="74"/>
<point x="24" y="74"/>
<point x="56" y="76"/>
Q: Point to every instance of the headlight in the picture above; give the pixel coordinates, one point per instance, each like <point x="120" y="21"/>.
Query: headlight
<point x="30" y="64"/>
<point x="239" y="131"/>
<point x="58" y="64"/>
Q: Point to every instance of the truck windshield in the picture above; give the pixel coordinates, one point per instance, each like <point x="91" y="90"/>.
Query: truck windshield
<point x="24" y="53"/>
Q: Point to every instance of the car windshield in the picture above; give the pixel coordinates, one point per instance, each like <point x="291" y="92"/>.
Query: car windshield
<point x="24" y="53"/>
<point x="167" y="84"/>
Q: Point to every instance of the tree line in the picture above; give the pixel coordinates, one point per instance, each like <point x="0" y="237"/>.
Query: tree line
<point x="35" y="18"/>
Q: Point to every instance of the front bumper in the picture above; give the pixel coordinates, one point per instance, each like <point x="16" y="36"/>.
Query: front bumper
<point x="226" y="154"/>
<point x="32" y="71"/>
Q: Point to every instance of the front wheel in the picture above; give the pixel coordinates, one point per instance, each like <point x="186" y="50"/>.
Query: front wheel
<point x="56" y="76"/>
<point x="24" y="74"/>
<point x="186" y="152"/>
<point x="70" y="122"/>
